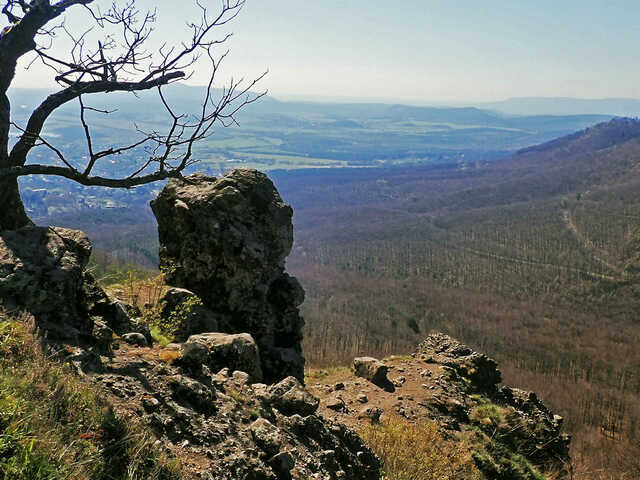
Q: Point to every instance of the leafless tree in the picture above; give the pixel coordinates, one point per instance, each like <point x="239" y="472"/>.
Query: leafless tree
<point x="121" y="61"/>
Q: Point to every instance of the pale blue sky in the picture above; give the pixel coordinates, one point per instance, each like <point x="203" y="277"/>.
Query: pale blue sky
<point x="430" y="50"/>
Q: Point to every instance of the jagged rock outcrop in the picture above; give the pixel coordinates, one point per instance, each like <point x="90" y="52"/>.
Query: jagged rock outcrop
<point x="41" y="270"/>
<point x="226" y="240"/>
<point x="223" y="427"/>
<point x="529" y="427"/>
<point x="511" y="434"/>
<point x="229" y="251"/>
<point x="477" y="367"/>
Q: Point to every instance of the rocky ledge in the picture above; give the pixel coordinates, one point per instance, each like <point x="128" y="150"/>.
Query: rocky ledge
<point x="219" y="424"/>
<point x="223" y="245"/>
<point x="449" y="383"/>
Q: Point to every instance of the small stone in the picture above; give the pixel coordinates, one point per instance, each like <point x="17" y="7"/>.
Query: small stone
<point x="373" y="370"/>
<point x="135" y="338"/>
<point x="290" y="397"/>
<point x="371" y="413"/>
<point x="150" y="404"/>
<point x="241" y="378"/>
<point x="336" y="404"/>
<point x="282" y="463"/>
<point x="102" y="334"/>
<point x="266" y="435"/>
<point x="362" y="398"/>
<point x="339" y="386"/>
<point x="398" y="382"/>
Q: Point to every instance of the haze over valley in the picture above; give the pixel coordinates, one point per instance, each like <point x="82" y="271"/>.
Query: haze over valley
<point x="405" y="246"/>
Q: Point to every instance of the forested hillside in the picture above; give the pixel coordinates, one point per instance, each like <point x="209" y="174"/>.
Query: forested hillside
<point x="534" y="259"/>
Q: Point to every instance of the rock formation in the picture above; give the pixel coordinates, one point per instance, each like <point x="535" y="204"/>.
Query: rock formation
<point x="43" y="271"/>
<point x="221" y="425"/>
<point x="373" y="370"/>
<point x="445" y="381"/>
<point x="226" y="240"/>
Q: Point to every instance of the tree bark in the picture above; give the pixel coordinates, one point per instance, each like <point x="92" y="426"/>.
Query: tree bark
<point x="12" y="212"/>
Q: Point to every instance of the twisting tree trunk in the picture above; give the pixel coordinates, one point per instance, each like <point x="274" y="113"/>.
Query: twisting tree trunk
<point x="12" y="213"/>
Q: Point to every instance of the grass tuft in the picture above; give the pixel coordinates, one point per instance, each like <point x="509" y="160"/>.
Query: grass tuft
<point x="53" y="426"/>
<point x="418" y="451"/>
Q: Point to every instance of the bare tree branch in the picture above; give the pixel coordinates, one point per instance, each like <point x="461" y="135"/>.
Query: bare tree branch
<point x="119" y="61"/>
<point x="76" y="176"/>
<point x="56" y="100"/>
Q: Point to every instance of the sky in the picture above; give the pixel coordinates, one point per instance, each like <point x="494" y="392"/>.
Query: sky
<point x="418" y="51"/>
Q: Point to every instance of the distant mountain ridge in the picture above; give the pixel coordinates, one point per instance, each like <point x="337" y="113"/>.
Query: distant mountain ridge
<point x="592" y="139"/>
<point x="622" y="107"/>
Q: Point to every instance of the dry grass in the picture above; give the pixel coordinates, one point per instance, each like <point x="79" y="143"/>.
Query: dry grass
<point x="169" y="356"/>
<point x="327" y="374"/>
<point x="53" y="426"/>
<point x="418" y="451"/>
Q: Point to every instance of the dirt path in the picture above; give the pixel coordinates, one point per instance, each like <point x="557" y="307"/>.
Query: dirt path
<point x="587" y="244"/>
<point x="532" y="263"/>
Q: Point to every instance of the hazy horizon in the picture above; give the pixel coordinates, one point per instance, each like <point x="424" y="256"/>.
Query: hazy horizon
<point x="424" y="52"/>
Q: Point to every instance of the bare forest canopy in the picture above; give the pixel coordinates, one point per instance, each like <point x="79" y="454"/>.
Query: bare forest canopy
<point x="533" y="258"/>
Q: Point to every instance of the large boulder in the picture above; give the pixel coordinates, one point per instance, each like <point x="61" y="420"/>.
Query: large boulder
<point x="226" y="240"/>
<point x="373" y="370"/>
<point x="220" y="350"/>
<point x="42" y="271"/>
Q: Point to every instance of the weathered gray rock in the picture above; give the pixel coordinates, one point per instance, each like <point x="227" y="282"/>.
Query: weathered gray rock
<point x="197" y="395"/>
<point x="267" y="436"/>
<point x="477" y="367"/>
<point x="370" y="413"/>
<point x="41" y="271"/>
<point x="336" y="404"/>
<point x="291" y="398"/>
<point x="282" y="464"/>
<point x="236" y="430"/>
<point x="135" y="338"/>
<point x="373" y="370"/>
<point x="103" y="335"/>
<point x="188" y="312"/>
<point x="531" y="428"/>
<point x="220" y="350"/>
<point x="226" y="240"/>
